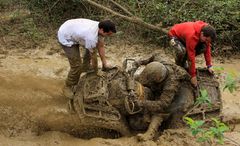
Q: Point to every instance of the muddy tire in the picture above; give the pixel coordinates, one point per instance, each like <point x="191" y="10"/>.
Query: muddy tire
<point x="184" y="99"/>
<point x="184" y="103"/>
<point x="93" y="127"/>
<point x="94" y="111"/>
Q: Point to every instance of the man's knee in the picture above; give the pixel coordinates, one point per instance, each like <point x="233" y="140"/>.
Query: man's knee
<point x="178" y="47"/>
<point x="179" y="50"/>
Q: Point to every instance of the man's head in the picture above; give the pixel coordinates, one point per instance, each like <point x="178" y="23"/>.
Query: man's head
<point x="106" y="28"/>
<point x="208" y="34"/>
<point x="154" y="72"/>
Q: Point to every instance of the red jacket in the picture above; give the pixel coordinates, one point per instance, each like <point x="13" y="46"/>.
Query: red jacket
<point x="189" y="32"/>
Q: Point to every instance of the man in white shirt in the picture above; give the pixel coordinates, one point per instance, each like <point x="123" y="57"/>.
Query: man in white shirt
<point x="89" y="34"/>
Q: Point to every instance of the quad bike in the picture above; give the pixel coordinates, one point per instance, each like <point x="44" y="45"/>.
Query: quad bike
<point x="110" y="101"/>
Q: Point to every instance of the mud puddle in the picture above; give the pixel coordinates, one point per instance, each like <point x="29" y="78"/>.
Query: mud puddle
<point x="30" y="87"/>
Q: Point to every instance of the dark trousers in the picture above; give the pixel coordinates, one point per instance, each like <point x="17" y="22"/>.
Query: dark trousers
<point x="179" y="48"/>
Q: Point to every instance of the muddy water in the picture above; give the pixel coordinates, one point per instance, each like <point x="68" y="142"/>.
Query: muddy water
<point x="30" y="85"/>
<point x="231" y="101"/>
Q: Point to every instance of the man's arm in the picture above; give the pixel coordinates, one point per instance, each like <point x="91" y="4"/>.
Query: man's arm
<point x="165" y="99"/>
<point x="145" y="61"/>
<point x="207" y="55"/>
<point x="190" y="47"/>
<point x="101" y="52"/>
<point x="208" y="58"/>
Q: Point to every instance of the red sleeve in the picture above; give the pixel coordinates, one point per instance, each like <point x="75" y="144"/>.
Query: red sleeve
<point x="190" y="47"/>
<point x="207" y="55"/>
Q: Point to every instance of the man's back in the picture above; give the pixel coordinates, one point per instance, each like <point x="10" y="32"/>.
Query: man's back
<point x="82" y="31"/>
<point x="187" y="30"/>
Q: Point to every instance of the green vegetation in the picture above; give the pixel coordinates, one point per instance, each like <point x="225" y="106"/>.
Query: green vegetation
<point x="195" y="126"/>
<point x="210" y="135"/>
<point x="200" y="128"/>
<point x="224" y="15"/>
<point x="230" y="83"/>
<point x="203" y="98"/>
<point x="229" y="80"/>
<point x="18" y="28"/>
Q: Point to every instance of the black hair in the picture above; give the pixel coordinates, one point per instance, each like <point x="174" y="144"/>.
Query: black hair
<point x="107" y="26"/>
<point x="209" y="31"/>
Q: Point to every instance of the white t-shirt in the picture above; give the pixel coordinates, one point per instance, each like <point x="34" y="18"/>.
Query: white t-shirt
<point x="79" y="31"/>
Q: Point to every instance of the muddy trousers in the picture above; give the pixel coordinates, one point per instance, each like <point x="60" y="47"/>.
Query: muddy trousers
<point x="76" y="65"/>
<point x="156" y="121"/>
<point x="180" y="52"/>
<point x="153" y="127"/>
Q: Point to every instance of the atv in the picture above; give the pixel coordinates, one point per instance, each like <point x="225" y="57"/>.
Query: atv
<point x="109" y="100"/>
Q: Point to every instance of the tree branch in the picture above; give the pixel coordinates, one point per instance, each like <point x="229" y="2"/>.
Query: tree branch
<point x="180" y="9"/>
<point x="50" y="9"/>
<point x="121" y="7"/>
<point x="132" y="19"/>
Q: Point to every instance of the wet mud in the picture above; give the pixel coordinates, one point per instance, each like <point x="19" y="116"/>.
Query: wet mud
<point x="33" y="110"/>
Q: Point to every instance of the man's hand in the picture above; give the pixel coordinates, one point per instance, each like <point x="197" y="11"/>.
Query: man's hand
<point x="194" y="81"/>
<point x="101" y="73"/>
<point x="211" y="70"/>
<point x="107" y="67"/>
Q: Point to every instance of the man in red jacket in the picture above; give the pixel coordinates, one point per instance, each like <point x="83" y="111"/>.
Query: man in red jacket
<point x="190" y="39"/>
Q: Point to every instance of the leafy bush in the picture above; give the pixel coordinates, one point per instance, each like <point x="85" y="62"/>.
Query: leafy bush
<point x="229" y="80"/>
<point x="224" y="15"/>
<point x="10" y="4"/>
<point x="211" y="135"/>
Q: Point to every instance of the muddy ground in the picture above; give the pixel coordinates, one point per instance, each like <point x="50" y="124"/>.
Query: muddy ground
<point x="31" y="82"/>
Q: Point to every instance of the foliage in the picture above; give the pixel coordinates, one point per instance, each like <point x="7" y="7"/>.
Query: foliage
<point x="4" y="4"/>
<point x="230" y="83"/>
<point x="229" y="80"/>
<point x="218" y="130"/>
<point x="213" y="133"/>
<point x="195" y="126"/>
<point x="224" y="15"/>
<point x="30" y="31"/>
<point x="18" y="27"/>
<point x="203" y="98"/>
<point x="55" y="12"/>
<point x="218" y="69"/>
